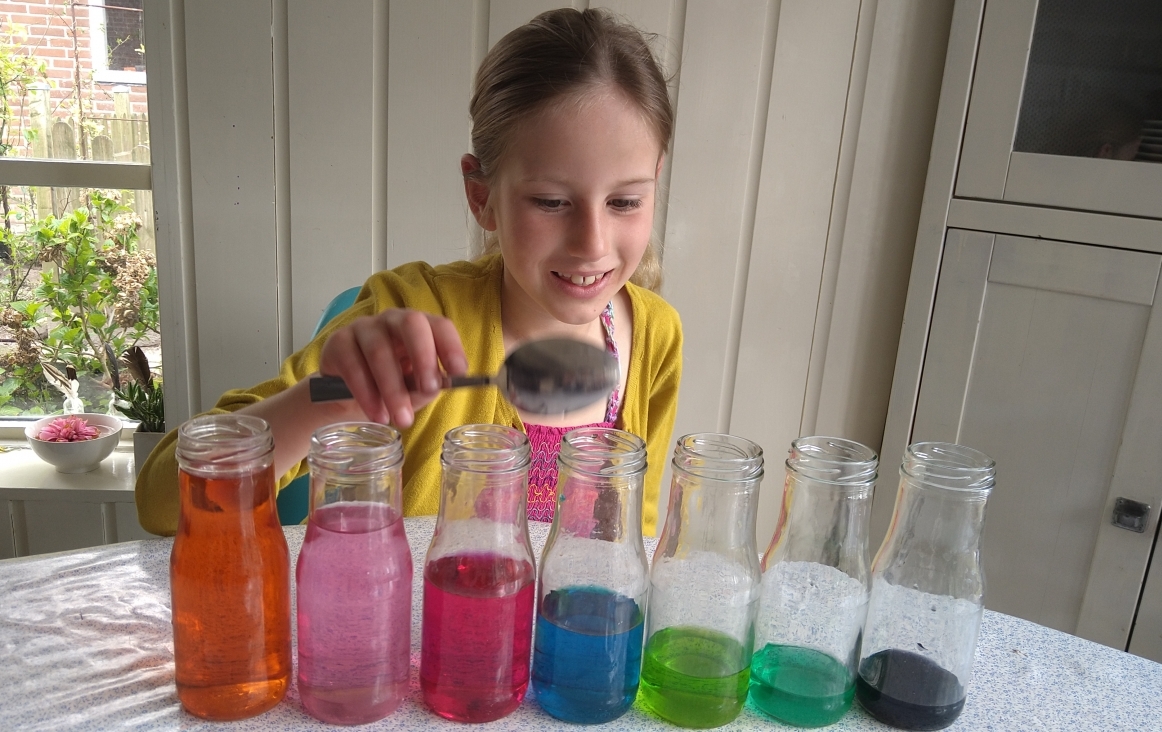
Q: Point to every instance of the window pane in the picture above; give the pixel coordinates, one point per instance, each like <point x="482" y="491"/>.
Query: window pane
<point x="75" y="82"/>
<point x="1094" y="82"/>
<point x="78" y="283"/>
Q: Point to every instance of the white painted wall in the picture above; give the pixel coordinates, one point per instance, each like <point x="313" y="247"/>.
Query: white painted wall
<point x="313" y="143"/>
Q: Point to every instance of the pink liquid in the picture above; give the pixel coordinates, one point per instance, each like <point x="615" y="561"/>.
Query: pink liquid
<point x="477" y="635"/>
<point x="354" y="612"/>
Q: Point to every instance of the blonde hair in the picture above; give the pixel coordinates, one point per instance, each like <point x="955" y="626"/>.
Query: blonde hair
<point x="561" y="53"/>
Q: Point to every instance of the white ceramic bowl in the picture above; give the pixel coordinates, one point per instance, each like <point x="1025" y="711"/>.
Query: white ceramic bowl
<point x="76" y="457"/>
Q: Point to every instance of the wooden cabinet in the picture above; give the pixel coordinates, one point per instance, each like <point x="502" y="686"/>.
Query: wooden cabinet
<point x="1033" y="332"/>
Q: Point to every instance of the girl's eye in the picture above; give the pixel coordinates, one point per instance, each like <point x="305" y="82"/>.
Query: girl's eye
<point x="551" y="204"/>
<point x="625" y="204"/>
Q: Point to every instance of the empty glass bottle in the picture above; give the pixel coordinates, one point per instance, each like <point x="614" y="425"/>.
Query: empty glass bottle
<point x="704" y="584"/>
<point x="478" y="578"/>
<point x="229" y="571"/>
<point x="815" y="585"/>
<point x="927" y="595"/>
<point x="593" y="580"/>
<point x="354" y="577"/>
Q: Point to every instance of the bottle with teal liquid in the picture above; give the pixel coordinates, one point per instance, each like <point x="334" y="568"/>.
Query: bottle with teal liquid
<point x="704" y="585"/>
<point x="815" y="585"/>
<point x="593" y="580"/>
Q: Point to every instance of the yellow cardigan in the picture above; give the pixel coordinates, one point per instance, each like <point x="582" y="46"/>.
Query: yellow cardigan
<point x="468" y="293"/>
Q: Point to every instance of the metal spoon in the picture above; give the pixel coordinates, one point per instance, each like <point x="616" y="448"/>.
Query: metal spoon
<point x="550" y="376"/>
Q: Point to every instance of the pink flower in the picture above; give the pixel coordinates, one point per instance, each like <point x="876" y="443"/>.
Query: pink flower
<point x="68" y="429"/>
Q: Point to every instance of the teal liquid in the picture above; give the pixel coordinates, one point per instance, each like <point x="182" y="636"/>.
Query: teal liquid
<point x="694" y="677"/>
<point x="800" y="686"/>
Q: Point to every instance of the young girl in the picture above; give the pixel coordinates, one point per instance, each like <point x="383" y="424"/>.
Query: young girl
<point x="570" y="122"/>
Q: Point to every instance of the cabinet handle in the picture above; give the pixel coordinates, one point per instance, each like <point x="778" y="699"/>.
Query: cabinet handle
<point x="1131" y="515"/>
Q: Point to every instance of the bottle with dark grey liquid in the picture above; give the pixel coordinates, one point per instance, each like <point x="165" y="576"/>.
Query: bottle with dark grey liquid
<point x="927" y="595"/>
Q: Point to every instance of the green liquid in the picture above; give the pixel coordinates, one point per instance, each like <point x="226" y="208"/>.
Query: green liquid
<point x="800" y="686"/>
<point x="692" y="677"/>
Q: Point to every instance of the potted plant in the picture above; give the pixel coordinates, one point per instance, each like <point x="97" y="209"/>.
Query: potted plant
<point x="141" y="399"/>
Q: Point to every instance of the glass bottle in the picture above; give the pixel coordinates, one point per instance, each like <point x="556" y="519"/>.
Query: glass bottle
<point x="704" y="584"/>
<point x="593" y="580"/>
<point x="815" y="585"/>
<point x="354" y="577"/>
<point x="927" y="595"/>
<point x="229" y="571"/>
<point x="478" y="578"/>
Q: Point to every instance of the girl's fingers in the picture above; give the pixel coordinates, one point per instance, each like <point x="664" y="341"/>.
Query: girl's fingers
<point x="342" y="357"/>
<point x="448" y="347"/>
<point x="415" y="329"/>
<point x="378" y="345"/>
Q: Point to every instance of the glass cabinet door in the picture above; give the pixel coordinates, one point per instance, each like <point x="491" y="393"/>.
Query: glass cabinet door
<point x="1066" y="106"/>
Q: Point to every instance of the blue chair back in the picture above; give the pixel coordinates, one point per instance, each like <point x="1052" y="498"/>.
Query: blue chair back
<point x="294" y="500"/>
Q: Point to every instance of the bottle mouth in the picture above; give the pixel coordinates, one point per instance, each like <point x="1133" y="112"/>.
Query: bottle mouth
<point x="355" y="448"/>
<point x="603" y="452"/>
<point x="485" y="448"/>
<point x="949" y="466"/>
<point x="833" y="460"/>
<point x="215" y="442"/>
<point x="714" y="456"/>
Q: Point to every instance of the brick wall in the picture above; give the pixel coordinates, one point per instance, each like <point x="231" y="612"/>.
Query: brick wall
<point x="59" y="34"/>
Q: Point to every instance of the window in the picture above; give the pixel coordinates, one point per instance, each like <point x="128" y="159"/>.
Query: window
<point x="78" y="280"/>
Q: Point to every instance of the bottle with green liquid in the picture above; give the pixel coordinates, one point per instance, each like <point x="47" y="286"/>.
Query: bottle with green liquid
<point x="704" y="585"/>
<point x="815" y="585"/>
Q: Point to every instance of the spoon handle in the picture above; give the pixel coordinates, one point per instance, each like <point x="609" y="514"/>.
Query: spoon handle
<point x="332" y="388"/>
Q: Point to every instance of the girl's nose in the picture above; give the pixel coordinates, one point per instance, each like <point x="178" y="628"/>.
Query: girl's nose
<point x="590" y="236"/>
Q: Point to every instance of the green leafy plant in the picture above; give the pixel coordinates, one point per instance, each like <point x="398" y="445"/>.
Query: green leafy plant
<point x="141" y="399"/>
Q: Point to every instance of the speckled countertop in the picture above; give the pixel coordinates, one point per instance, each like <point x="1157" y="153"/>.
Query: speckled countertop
<point x="86" y="644"/>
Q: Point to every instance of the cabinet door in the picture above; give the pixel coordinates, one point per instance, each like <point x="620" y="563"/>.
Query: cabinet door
<point x="1047" y="356"/>
<point x="1066" y="106"/>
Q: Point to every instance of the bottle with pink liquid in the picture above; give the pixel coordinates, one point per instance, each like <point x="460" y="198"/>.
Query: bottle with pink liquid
<point x="478" y="579"/>
<point x="354" y="578"/>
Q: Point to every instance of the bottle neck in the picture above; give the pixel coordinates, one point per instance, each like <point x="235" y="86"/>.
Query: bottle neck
<point x="825" y="523"/>
<point x="711" y="515"/>
<point x="933" y="544"/>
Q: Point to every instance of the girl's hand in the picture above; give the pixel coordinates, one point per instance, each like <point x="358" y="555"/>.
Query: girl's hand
<point x="379" y="355"/>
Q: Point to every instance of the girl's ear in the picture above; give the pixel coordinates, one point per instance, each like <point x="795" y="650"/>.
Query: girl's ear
<point x="477" y="192"/>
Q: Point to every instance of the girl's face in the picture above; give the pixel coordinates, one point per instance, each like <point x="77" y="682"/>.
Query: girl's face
<point x="573" y="205"/>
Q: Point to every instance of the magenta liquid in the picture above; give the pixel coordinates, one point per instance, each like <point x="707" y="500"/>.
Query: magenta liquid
<point x="477" y="635"/>
<point x="354" y="581"/>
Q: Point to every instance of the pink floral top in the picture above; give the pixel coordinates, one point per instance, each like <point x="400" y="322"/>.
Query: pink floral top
<point x="545" y="442"/>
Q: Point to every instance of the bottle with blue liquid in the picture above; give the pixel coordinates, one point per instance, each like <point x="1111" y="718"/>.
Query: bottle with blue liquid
<point x="594" y="579"/>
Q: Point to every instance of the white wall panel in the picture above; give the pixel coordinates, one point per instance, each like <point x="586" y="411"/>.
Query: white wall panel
<point x="707" y="240"/>
<point x="330" y="70"/>
<point x="809" y="86"/>
<point x="895" y="136"/>
<point x="430" y="73"/>
<point x="231" y="102"/>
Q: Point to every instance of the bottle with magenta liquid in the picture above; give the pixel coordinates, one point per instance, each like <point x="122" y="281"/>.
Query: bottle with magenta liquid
<point x="927" y="594"/>
<point x="815" y="585"/>
<point x="704" y="584"/>
<point x="229" y="571"/>
<point x="594" y="579"/>
<point x="354" y="577"/>
<point x="479" y="577"/>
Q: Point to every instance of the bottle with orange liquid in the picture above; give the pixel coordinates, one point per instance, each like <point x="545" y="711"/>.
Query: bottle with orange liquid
<point x="229" y="571"/>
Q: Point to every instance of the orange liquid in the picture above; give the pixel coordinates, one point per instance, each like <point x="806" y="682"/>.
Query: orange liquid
<point x="230" y="578"/>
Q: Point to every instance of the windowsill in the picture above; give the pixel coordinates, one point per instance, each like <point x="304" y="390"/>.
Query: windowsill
<point x="24" y="476"/>
<point x="12" y="433"/>
<point x="110" y="76"/>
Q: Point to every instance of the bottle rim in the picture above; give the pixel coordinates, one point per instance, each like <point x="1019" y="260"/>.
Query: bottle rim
<point x="213" y="442"/>
<point x="718" y="456"/>
<point x="833" y="460"/>
<point x="485" y="448"/>
<point x="603" y="452"/>
<point x="355" y="448"/>
<point x="949" y="466"/>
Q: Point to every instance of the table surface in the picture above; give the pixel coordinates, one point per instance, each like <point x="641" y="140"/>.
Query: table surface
<point x="86" y="644"/>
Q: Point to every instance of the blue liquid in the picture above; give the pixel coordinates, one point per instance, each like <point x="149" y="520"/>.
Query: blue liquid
<point x="587" y="655"/>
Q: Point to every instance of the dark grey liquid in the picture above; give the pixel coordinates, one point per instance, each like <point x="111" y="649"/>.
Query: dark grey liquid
<point x="909" y="691"/>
